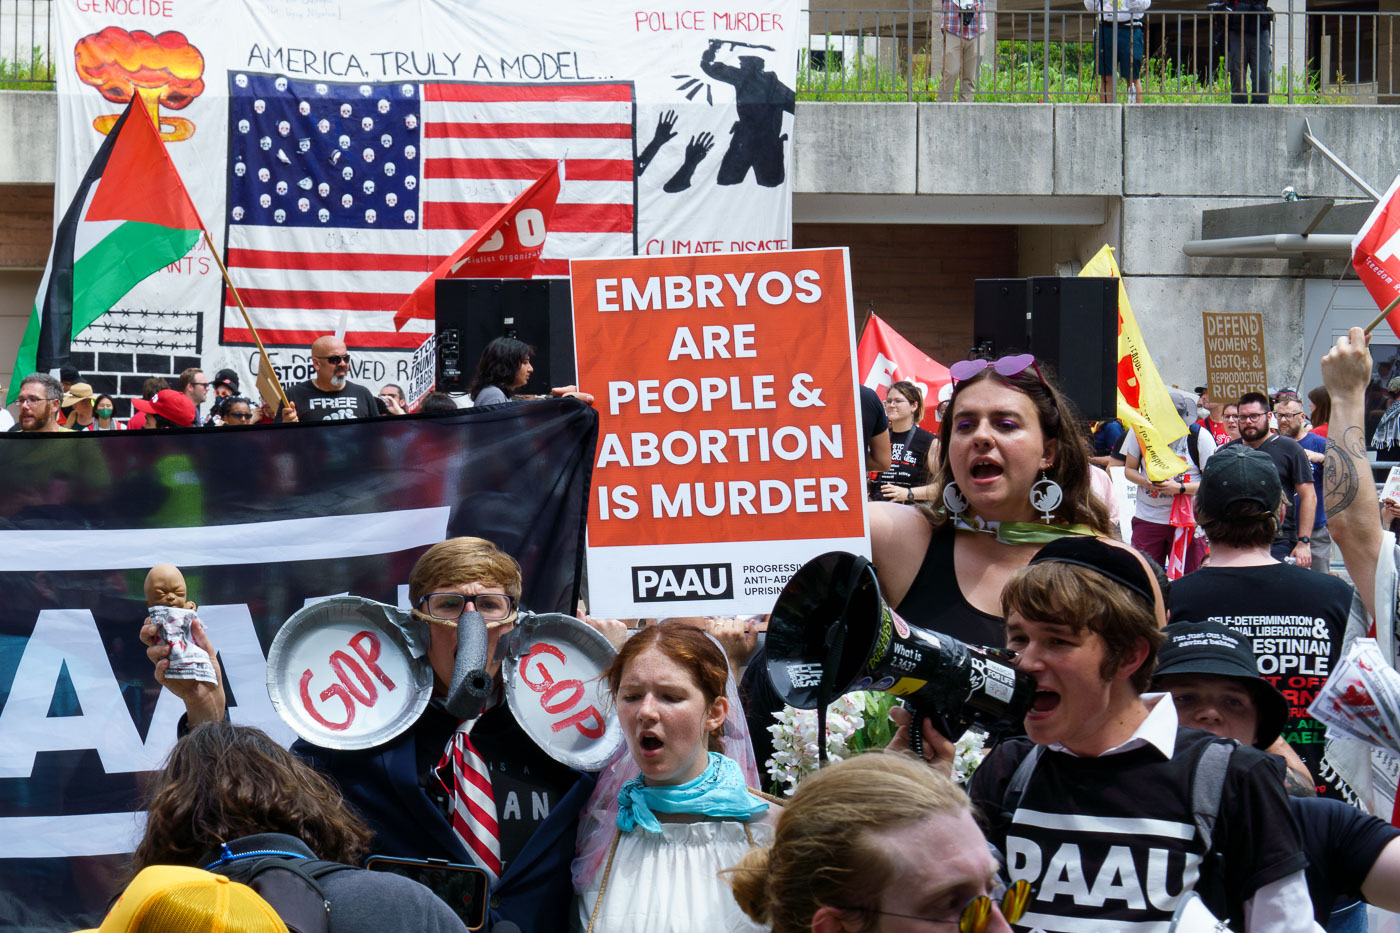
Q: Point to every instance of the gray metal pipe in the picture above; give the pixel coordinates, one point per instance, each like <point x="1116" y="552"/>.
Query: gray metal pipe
<point x="1272" y="246"/>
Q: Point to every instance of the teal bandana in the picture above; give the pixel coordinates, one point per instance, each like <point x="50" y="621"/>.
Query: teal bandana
<point x="719" y="793"/>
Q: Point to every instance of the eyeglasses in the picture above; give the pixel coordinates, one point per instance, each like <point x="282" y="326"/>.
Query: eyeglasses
<point x="1232" y="417"/>
<point x="1257" y="416"/>
<point x="30" y="400"/>
<point x="1288" y="414"/>
<point x="203" y="385"/>
<point x="448" y="607"/>
<point x="1006" y="366"/>
<point x="977" y="915"/>
<point x="335" y="360"/>
<point x="238" y="416"/>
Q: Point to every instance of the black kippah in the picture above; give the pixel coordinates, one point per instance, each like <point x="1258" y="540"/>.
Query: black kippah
<point x="1116" y="563"/>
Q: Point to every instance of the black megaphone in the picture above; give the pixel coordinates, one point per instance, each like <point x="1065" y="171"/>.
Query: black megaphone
<point x="832" y="633"/>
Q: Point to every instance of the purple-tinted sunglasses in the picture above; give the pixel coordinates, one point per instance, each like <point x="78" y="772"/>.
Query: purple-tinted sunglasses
<point x="1006" y="366"/>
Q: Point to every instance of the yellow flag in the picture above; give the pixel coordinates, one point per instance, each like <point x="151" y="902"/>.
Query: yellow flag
<point x="1143" y="401"/>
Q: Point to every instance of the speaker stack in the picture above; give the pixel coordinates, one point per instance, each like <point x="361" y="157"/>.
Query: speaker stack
<point x="1069" y="323"/>
<point x="470" y="313"/>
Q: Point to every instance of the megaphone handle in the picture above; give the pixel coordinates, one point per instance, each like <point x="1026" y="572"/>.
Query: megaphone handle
<point x="916" y="728"/>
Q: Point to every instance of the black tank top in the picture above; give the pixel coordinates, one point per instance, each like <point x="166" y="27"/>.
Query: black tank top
<point x="935" y="601"/>
<point x="908" y="461"/>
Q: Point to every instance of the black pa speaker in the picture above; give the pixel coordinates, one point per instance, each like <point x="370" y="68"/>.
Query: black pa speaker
<point x="470" y="313"/>
<point x="1069" y="323"/>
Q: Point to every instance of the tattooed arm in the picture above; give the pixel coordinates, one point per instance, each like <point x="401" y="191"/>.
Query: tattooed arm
<point x="1348" y="487"/>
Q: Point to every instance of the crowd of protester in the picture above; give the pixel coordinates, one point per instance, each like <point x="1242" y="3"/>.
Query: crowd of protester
<point x="48" y="403"/>
<point x="1165" y="757"/>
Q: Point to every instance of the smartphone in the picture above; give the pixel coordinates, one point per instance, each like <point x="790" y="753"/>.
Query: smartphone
<point x="461" y="887"/>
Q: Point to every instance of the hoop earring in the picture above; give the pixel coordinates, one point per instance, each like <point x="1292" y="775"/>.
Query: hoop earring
<point x="1046" y="496"/>
<point x="953" y="499"/>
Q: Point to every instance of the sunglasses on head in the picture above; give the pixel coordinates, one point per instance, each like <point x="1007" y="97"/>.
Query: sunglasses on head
<point x="1005" y="366"/>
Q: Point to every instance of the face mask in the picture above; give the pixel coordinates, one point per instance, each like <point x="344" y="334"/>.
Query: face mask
<point x="104" y="413"/>
<point x="1203" y="413"/>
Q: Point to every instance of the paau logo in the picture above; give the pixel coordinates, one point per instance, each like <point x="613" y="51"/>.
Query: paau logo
<point x="682" y="581"/>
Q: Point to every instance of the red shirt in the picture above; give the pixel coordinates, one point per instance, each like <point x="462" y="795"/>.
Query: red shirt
<point x="1217" y="431"/>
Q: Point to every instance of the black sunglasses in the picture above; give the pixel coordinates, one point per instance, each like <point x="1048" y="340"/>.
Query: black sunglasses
<point x="335" y="360"/>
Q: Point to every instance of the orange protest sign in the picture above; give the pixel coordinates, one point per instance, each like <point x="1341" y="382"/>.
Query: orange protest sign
<point x="729" y="446"/>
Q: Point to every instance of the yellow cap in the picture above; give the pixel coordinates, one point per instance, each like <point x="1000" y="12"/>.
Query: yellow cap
<point x="177" y="899"/>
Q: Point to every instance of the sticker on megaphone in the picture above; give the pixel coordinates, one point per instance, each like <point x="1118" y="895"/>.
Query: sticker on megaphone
<point x="831" y="612"/>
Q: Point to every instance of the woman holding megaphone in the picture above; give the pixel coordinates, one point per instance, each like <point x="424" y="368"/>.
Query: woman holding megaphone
<point x="1012" y="473"/>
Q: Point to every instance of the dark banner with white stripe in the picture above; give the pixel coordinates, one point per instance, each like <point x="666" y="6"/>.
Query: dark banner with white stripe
<point x="261" y="520"/>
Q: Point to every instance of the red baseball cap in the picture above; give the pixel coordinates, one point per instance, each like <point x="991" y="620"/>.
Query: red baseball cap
<point x="170" y="404"/>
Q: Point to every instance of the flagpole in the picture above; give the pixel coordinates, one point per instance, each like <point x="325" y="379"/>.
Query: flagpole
<point x="1383" y="315"/>
<point x="247" y="320"/>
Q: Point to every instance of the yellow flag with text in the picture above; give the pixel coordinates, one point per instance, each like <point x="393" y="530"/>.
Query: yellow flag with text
<point x="1143" y="402"/>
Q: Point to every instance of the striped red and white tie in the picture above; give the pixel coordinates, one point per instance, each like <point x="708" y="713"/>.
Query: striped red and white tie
<point x="473" y="802"/>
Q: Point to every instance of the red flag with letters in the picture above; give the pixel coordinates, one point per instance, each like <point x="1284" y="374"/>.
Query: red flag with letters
<point x="1375" y="252"/>
<point x="883" y="358"/>
<point x="508" y="246"/>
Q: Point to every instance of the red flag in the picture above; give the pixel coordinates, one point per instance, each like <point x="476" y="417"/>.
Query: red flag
<point x="507" y="246"/>
<point x="1375" y="252"/>
<point x="883" y="358"/>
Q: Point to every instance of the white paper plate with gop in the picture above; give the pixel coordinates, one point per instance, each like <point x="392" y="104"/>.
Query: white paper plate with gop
<point x="342" y="674"/>
<point x="555" y="690"/>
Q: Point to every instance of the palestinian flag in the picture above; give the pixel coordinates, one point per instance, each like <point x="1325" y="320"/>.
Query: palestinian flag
<point x="130" y="216"/>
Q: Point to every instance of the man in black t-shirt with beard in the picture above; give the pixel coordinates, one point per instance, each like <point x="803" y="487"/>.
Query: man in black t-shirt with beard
<point x="1294" y="474"/>
<point x="329" y="395"/>
<point x="1297" y="619"/>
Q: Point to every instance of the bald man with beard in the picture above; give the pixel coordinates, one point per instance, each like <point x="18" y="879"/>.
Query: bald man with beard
<point x="329" y="395"/>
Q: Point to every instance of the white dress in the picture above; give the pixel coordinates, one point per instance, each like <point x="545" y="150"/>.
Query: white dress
<point x="670" y="882"/>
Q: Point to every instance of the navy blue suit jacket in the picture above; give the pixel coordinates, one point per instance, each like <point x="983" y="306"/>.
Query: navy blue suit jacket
<point x="536" y="891"/>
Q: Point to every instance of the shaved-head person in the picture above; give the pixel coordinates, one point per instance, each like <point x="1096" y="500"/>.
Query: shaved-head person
<point x="329" y="395"/>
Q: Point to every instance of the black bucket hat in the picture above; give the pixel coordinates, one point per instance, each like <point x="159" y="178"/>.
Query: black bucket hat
<point x="1220" y="651"/>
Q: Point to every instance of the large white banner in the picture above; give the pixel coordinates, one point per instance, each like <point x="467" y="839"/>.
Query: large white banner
<point x="337" y="150"/>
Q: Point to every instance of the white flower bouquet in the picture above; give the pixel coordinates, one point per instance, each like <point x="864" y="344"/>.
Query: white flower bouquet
<point x="854" y="723"/>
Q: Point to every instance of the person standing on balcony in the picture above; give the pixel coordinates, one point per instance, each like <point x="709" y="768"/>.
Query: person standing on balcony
<point x="1121" y="37"/>
<point x="963" y="25"/>
<point x="1249" y="44"/>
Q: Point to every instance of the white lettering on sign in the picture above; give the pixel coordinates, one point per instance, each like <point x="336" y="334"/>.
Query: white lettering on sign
<point x="680" y="292"/>
<point x="69" y="638"/>
<point x="355" y="685"/>
<point x="559" y="697"/>
<point x="1390" y="247"/>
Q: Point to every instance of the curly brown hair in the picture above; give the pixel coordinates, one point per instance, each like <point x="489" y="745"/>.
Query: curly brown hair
<point x="223" y="782"/>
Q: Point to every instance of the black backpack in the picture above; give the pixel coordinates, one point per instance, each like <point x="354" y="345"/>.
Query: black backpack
<point x="286" y="881"/>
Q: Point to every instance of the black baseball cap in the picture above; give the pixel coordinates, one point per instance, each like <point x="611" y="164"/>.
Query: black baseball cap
<point x="227" y="377"/>
<point x="1238" y="473"/>
<point x="1220" y="651"/>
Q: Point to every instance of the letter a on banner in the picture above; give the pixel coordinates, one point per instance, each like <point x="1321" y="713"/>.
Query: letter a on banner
<point x="1143" y="402"/>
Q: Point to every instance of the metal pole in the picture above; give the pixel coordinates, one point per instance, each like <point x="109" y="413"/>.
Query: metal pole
<point x="1288" y="71"/>
<point x="909" y="54"/>
<point x="1330" y="156"/>
<point x="1045" y="57"/>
